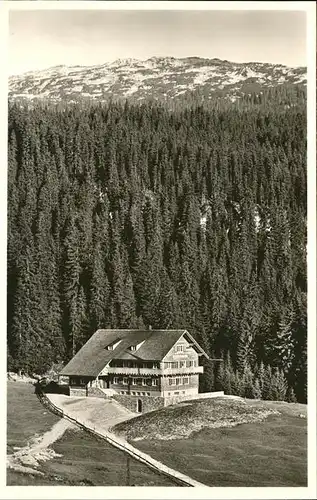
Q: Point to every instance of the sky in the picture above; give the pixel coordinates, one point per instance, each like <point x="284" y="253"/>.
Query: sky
<point x="43" y="38"/>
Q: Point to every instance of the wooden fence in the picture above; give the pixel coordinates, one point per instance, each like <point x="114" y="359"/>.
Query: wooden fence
<point x="177" y="477"/>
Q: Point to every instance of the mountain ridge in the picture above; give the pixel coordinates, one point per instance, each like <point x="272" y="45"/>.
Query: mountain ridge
<point x="157" y="78"/>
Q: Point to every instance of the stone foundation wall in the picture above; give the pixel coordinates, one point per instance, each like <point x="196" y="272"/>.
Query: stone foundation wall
<point x="89" y="391"/>
<point x="97" y="393"/>
<point x="149" y="403"/>
<point x="77" y="391"/>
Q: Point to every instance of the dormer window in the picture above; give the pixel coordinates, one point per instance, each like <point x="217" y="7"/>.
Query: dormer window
<point x="135" y="347"/>
<point x="113" y="345"/>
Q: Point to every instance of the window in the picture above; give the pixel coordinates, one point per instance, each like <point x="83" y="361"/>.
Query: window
<point x="115" y="380"/>
<point x="135" y="347"/>
<point x="148" y="394"/>
<point x="178" y="381"/>
<point x="125" y="381"/>
<point x="180" y="348"/>
<point x="185" y="380"/>
<point x="134" y="381"/>
<point x="154" y="381"/>
<point x="182" y="364"/>
<point x="144" y="381"/>
<point x="133" y="393"/>
<point x="112" y="346"/>
<point x="126" y="364"/>
<point x="184" y="392"/>
<point x="171" y="381"/>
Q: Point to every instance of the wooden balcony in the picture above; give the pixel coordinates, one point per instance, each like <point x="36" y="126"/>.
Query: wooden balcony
<point x="188" y="370"/>
<point x="114" y="370"/>
<point x="137" y="372"/>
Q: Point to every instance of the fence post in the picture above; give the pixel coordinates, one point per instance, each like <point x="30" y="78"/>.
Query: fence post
<point x="141" y="457"/>
<point x="128" y="470"/>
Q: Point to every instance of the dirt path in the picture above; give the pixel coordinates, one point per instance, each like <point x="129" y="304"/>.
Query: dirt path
<point x="28" y="458"/>
<point x="99" y="413"/>
<point x="99" y="416"/>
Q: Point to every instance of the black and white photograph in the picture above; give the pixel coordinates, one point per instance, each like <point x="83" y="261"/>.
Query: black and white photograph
<point x="157" y="246"/>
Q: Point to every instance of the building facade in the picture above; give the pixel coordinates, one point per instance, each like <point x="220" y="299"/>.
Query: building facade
<point x="160" y="364"/>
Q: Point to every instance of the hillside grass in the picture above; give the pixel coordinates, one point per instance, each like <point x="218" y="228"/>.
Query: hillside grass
<point x="84" y="461"/>
<point x="267" y="447"/>
<point x="87" y="460"/>
<point x="26" y="417"/>
<point x="184" y="419"/>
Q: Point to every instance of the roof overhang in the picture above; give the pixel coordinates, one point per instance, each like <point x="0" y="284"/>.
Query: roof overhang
<point x="195" y="345"/>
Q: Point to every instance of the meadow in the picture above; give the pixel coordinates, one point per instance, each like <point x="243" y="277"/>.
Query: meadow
<point x="26" y="417"/>
<point x="82" y="460"/>
<point x="257" y="452"/>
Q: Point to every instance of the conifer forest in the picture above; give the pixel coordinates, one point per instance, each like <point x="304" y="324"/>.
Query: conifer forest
<point x="186" y="215"/>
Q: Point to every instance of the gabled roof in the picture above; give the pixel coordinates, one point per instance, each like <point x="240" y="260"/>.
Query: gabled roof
<point x="94" y="355"/>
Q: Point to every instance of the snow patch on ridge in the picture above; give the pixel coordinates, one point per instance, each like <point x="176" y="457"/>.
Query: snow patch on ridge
<point x="162" y="76"/>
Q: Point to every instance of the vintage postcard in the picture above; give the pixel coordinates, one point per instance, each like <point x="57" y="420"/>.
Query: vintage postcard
<point x="159" y="249"/>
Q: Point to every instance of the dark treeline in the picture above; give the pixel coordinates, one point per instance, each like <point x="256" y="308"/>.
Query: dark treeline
<point x="284" y="95"/>
<point x="123" y="216"/>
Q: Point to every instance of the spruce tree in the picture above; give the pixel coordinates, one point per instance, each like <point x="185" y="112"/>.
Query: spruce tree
<point x="71" y="286"/>
<point x="208" y="378"/>
<point x="267" y="384"/>
<point x="256" y="391"/>
<point x="247" y="382"/>
<point x="278" y="386"/>
<point x="291" y="398"/>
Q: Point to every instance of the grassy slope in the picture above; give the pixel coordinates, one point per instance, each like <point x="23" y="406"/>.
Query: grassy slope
<point x="85" y="460"/>
<point x="267" y="453"/>
<point x="26" y="417"/>
<point x="91" y="461"/>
